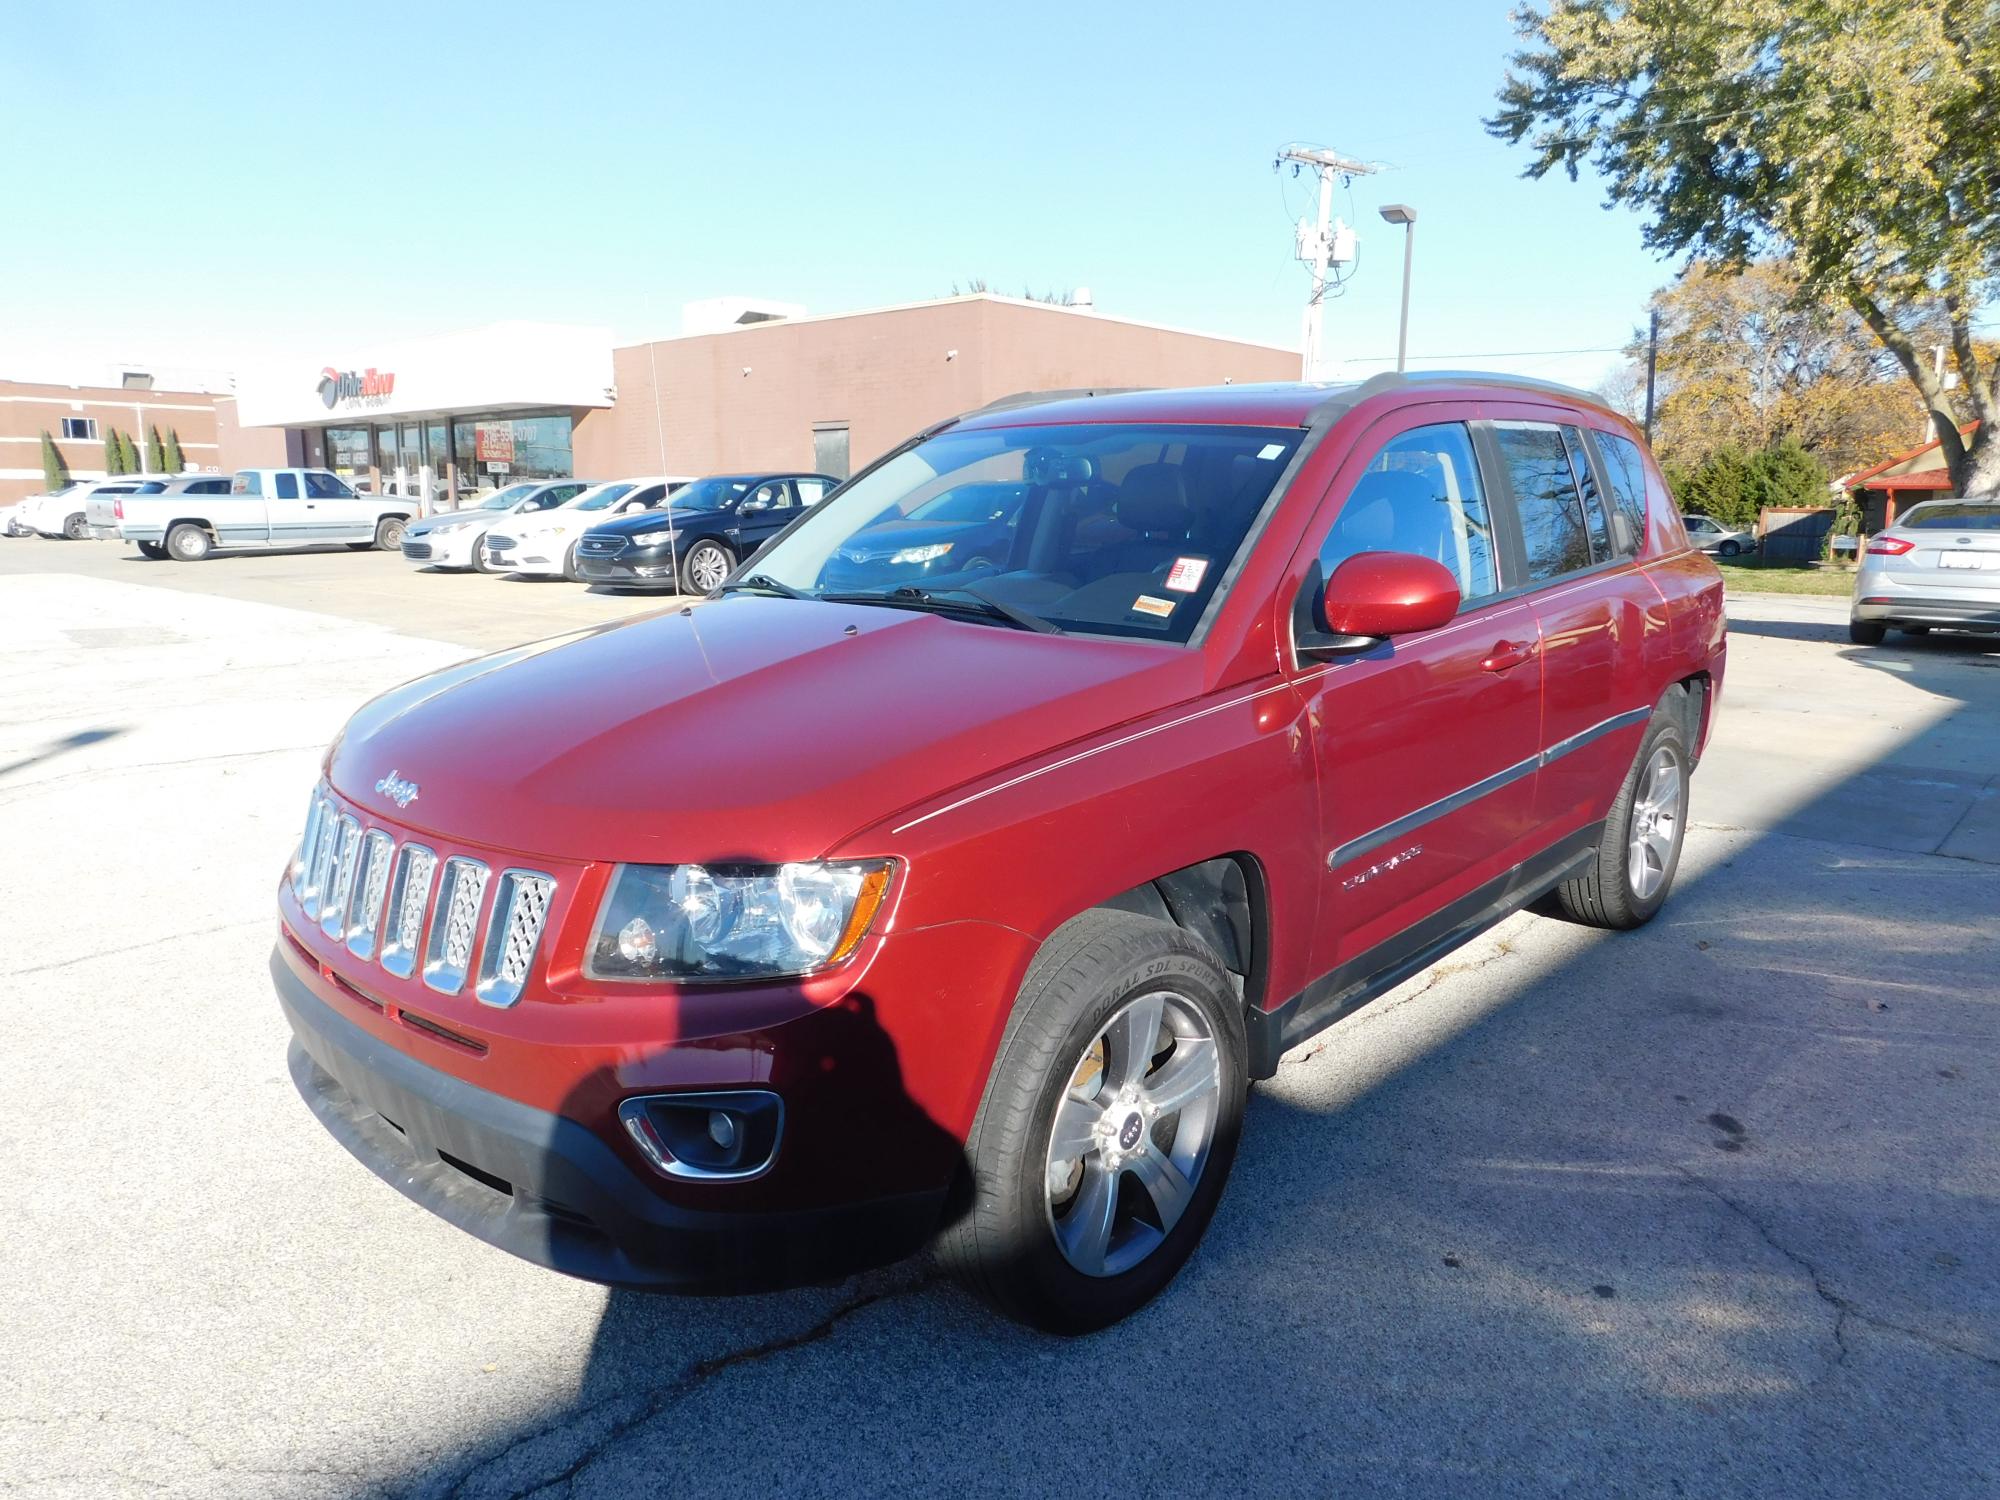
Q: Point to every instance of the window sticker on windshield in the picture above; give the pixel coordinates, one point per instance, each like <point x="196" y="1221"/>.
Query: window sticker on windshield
<point x="1146" y="604"/>
<point x="1270" y="450"/>
<point x="1186" y="574"/>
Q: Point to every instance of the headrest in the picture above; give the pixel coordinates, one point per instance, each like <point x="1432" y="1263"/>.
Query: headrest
<point x="1153" y="498"/>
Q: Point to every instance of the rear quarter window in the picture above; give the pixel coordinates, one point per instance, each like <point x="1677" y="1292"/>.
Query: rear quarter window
<point x="1625" y="473"/>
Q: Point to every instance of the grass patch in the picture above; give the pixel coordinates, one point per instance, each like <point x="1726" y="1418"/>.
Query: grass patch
<point x="1754" y="575"/>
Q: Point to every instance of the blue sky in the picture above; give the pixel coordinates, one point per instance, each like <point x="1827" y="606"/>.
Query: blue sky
<point x="273" y="179"/>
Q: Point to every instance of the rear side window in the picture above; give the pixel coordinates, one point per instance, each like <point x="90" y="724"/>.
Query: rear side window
<point x="1420" y="494"/>
<point x="210" y="487"/>
<point x="248" y="484"/>
<point x="288" y="486"/>
<point x="1554" y="533"/>
<point x="1953" y="518"/>
<point x="1625" y="472"/>
<point x="811" y="491"/>
<point x="649" y="497"/>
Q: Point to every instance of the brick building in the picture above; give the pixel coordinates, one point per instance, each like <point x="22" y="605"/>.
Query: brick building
<point x="78" y="417"/>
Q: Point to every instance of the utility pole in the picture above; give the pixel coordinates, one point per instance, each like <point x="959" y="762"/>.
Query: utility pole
<point x="1321" y="247"/>
<point x="1652" y="368"/>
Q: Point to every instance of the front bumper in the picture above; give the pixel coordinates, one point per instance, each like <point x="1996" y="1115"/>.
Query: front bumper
<point x="637" y="570"/>
<point x="550" y="1190"/>
<point x="442" y="549"/>
<point x="529" y="556"/>
<point x="1954" y="614"/>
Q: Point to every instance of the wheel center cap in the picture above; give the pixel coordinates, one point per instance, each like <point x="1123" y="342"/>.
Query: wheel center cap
<point x="1131" y="1132"/>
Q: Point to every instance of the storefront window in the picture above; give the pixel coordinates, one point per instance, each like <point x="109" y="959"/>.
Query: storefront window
<point x="347" y="450"/>
<point x="503" y="450"/>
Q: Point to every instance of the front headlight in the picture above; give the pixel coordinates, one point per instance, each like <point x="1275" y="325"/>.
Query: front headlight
<point x="921" y="554"/>
<point x="677" y="922"/>
<point x="653" y="538"/>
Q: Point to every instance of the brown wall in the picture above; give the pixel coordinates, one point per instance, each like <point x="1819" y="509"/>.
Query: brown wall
<point x="254" y="447"/>
<point x="883" y="373"/>
<point x="27" y="409"/>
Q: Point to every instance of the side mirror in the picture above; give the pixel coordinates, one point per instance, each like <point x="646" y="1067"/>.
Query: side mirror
<point x="1376" y="595"/>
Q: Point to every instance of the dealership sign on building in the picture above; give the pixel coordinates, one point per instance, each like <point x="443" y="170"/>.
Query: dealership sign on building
<point x="494" y="370"/>
<point x="338" y="388"/>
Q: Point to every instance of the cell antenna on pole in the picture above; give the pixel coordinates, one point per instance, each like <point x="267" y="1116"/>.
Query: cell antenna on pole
<point x="1324" y="245"/>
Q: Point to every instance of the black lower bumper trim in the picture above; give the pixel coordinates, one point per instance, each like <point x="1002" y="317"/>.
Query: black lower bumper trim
<point x="1951" y="613"/>
<point x="545" y="1188"/>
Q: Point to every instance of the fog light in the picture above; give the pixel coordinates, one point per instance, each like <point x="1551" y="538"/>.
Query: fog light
<point x="722" y="1129"/>
<point x="725" y="1136"/>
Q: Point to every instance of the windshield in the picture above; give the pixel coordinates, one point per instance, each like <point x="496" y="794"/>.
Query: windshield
<point x="1938" y="517"/>
<point x="709" y="494"/>
<point x="506" y="499"/>
<point x="597" y="497"/>
<point x="1099" y="529"/>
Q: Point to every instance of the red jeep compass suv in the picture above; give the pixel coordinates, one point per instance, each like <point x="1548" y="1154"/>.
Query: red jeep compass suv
<point x="954" y="881"/>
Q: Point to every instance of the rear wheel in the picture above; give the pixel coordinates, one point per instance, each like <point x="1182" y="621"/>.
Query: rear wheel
<point x="1108" y="1127"/>
<point x="1641" y="846"/>
<point x="188" y="543"/>
<point x="704" y="567"/>
<point x="73" y="527"/>
<point x="153" y="550"/>
<point x="389" y="533"/>
<point x="1866" y="632"/>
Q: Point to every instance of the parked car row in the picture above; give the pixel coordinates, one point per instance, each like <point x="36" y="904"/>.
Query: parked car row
<point x="660" y="531"/>
<point x="188" y="516"/>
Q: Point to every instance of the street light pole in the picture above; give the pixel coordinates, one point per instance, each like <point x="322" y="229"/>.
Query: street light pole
<point x="1402" y="213"/>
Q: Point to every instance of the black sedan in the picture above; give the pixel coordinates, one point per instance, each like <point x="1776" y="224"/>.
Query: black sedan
<point x="705" y="529"/>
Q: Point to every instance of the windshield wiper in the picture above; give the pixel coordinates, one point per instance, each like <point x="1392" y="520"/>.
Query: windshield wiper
<point x="763" y="583"/>
<point x="960" y="599"/>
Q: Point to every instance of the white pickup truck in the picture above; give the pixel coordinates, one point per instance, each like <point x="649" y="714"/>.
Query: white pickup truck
<point x="264" y="509"/>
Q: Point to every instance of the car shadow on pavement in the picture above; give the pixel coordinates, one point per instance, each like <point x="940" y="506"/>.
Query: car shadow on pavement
<point x="1706" y="1208"/>
<point x="1944" y="643"/>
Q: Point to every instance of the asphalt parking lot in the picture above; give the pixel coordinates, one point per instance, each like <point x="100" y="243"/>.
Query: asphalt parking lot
<point x="1711" y="1208"/>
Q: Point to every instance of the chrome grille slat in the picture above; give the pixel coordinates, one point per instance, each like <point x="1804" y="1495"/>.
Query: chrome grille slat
<point x="372" y="886"/>
<point x="346" y="844"/>
<point x="448" y="953"/>
<point x="409" y="900"/>
<point x="513" y="932"/>
<point x="402" y="906"/>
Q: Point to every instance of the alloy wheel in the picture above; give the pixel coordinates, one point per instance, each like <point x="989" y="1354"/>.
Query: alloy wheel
<point x="1656" y="823"/>
<point x="707" y="568"/>
<point x="1132" y="1134"/>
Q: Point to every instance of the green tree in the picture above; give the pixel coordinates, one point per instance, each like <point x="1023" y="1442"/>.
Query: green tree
<point x="1857" y="137"/>
<point x="176" y="463"/>
<point x="156" y="451"/>
<point x="1786" y="474"/>
<point x="114" y="458"/>
<point x="128" y="454"/>
<point x="55" y="473"/>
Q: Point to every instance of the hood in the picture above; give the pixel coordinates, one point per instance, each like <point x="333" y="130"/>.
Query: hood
<point x="653" y="520"/>
<point x="751" y="729"/>
<point x="455" y="521"/>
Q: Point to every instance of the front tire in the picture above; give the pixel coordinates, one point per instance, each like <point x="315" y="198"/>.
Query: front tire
<point x="1866" y="632"/>
<point x="188" y="543"/>
<point x="1641" y="848"/>
<point x="704" y="567"/>
<point x="1730" y="549"/>
<point x="1108" y="1128"/>
<point x="569" y="565"/>
<point x="389" y="534"/>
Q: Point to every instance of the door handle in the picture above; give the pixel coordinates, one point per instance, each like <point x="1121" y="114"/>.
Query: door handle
<point x="1510" y="654"/>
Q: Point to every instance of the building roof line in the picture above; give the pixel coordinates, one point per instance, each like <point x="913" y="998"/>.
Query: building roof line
<point x="963" y="297"/>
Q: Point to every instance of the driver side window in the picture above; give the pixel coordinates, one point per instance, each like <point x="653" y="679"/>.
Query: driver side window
<point x="1420" y="494"/>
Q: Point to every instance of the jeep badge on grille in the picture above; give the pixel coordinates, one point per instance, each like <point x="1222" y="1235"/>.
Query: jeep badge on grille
<point x="398" y="791"/>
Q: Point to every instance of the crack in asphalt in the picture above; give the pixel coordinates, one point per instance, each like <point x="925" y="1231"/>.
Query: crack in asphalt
<point x="689" y="1384"/>
<point x="1844" y="1310"/>
<point x="158" y="942"/>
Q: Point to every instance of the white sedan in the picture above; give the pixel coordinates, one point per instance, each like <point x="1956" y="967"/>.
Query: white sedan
<point x="544" y="546"/>
<point x="451" y="540"/>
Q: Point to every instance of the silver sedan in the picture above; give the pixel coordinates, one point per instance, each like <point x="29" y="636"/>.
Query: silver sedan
<point x="1937" y="567"/>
